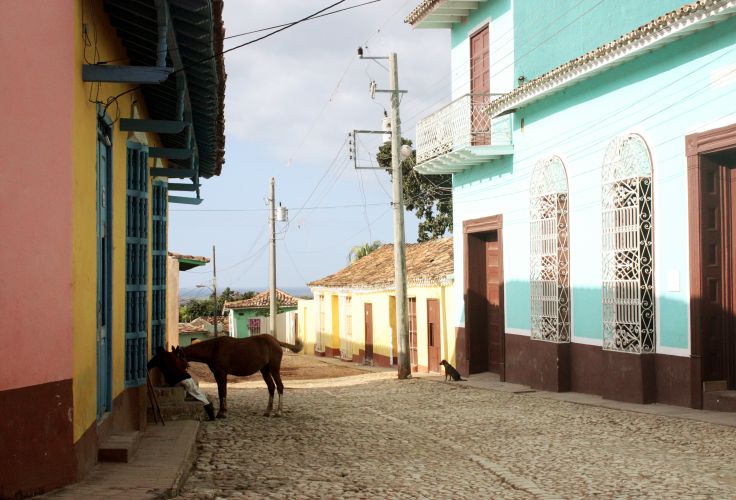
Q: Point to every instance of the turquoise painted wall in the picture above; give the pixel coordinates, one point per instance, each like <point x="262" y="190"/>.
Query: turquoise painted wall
<point x="242" y="316"/>
<point x="498" y="15"/>
<point x="550" y="33"/>
<point x="685" y="87"/>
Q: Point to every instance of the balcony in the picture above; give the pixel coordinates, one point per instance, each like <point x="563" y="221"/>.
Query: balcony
<point x="461" y="135"/>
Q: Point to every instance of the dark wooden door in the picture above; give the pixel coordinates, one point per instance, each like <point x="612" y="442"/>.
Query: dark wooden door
<point x="434" y="337"/>
<point x="369" y="333"/>
<point x="494" y="316"/>
<point x="717" y="270"/>
<point x="480" y="86"/>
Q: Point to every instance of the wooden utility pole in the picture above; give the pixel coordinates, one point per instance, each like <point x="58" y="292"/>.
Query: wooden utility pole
<point x="402" y="303"/>
<point x="214" y="285"/>
<point x="272" y="261"/>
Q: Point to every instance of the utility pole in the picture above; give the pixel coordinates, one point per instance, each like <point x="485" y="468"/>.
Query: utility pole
<point x="214" y="284"/>
<point x="402" y="304"/>
<point x="272" y="261"/>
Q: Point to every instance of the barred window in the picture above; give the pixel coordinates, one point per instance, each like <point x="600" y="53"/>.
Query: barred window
<point x="136" y="260"/>
<point x="346" y="332"/>
<point x="318" y="344"/>
<point x="628" y="284"/>
<point x="549" y="252"/>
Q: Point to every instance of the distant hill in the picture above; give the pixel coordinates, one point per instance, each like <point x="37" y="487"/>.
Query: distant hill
<point x="201" y="293"/>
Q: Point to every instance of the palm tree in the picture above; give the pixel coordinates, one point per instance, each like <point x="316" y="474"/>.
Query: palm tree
<point x="360" y="251"/>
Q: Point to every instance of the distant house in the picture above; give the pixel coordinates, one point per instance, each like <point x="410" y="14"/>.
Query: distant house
<point x="250" y="316"/>
<point x="207" y="323"/>
<point x="175" y="263"/>
<point x="353" y="313"/>
<point x="189" y="333"/>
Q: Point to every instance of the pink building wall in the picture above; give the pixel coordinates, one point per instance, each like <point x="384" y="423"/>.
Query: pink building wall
<point x="37" y="44"/>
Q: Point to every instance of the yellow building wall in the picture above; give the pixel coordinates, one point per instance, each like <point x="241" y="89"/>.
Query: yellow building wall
<point x="106" y="46"/>
<point x="448" y="334"/>
<point x="385" y="342"/>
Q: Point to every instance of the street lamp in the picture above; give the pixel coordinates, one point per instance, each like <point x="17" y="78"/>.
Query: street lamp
<point x="214" y="292"/>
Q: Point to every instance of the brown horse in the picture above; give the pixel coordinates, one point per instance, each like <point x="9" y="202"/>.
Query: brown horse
<point x="229" y="356"/>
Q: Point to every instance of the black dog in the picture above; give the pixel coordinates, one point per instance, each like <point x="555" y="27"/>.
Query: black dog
<point x="451" y="372"/>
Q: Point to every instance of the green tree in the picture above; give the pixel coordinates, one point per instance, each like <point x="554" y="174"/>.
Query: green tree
<point x="360" y="251"/>
<point x="195" y="308"/>
<point x="428" y="196"/>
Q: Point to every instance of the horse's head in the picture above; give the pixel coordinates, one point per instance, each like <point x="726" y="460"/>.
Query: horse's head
<point x="179" y="353"/>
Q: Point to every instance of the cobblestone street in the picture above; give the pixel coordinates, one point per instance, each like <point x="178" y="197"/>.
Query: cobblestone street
<point x="372" y="436"/>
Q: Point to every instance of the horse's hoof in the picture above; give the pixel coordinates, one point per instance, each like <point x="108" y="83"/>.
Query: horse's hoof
<point x="277" y="414"/>
<point x="266" y="414"/>
<point x="221" y="415"/>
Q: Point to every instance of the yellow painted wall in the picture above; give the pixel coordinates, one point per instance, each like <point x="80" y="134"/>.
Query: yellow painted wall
<point x="84" y="225"/>
<point x="384" y="342"/>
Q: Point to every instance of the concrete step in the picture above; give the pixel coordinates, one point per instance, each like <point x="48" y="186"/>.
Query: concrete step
<point x="170" y="395"/>
<point x="715" y="385"/>
<point x="720" y="401"/>
<point x="183" y="410"/>
<point x="119" y="447"/>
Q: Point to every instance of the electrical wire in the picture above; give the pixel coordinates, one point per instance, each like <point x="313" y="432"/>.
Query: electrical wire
<point x="311" y="18"/>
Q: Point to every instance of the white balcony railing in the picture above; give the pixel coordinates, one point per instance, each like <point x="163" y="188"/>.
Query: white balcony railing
<point x="460" y="125"/>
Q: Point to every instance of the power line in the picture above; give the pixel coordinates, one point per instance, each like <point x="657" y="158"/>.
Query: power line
<point x="321" y="207"/>
<point x="311" y="18"/>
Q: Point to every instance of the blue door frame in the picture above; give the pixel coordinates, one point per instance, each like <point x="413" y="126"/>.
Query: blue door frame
<point x="104" y="267"/>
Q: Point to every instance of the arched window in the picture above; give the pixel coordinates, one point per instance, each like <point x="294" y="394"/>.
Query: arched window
<point x="549" y="269"/>
<point x="628" y="284"/>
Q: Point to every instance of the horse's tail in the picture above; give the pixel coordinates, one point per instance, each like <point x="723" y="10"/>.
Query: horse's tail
<point x="296" y="347"/>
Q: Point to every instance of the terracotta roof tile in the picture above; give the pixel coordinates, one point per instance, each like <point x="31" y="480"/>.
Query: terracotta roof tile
<point x="263" y="300"/>
<point x="430" y="262"/>
<point x="188" y="257"/>
<point x="644" y="37"/>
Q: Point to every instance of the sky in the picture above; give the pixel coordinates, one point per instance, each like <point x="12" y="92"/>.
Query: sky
<point x="290" y="102"/>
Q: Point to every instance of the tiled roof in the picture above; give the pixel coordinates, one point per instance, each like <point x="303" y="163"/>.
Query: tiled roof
<point x="207" y="322"/>
<point x="664" y="29"/>
<point x="426" y="263"/>
<point x="421" y="10"/>
<point x="190" y="328"/>
<point x="263" y="300"/>
<point x="197" y="258"/>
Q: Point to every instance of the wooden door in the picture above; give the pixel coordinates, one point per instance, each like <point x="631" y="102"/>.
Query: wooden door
<point x="369" y="333"/>
<point x="717" y="269"/>
<point x="480" y="86"/>
<point x="434" y="336"/>
<point x="494" y="316"/>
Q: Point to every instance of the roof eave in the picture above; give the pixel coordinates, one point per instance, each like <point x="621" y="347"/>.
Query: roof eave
<point x="611" y="55"/>
<point x="441" y="14"/>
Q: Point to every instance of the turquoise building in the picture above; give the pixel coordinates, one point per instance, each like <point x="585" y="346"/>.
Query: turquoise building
<point x="250" y="316"/>
<point x="592" y="147"/>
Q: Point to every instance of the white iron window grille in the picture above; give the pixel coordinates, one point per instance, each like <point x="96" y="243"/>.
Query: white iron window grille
<point x="318" y="343"/>
<point x="549" y="252"/>
<point x="628" y="280"/>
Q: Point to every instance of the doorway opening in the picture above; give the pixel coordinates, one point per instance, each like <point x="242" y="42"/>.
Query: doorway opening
<point x="484" y="317"/>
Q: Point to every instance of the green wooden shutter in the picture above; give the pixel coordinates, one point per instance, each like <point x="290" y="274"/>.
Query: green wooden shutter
<point x="158" y="316"/>
<point x="136" y="263"/>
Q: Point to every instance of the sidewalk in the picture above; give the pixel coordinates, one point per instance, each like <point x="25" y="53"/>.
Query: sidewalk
<point x="490" y="381"/>
<point x="158" y="469"/>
